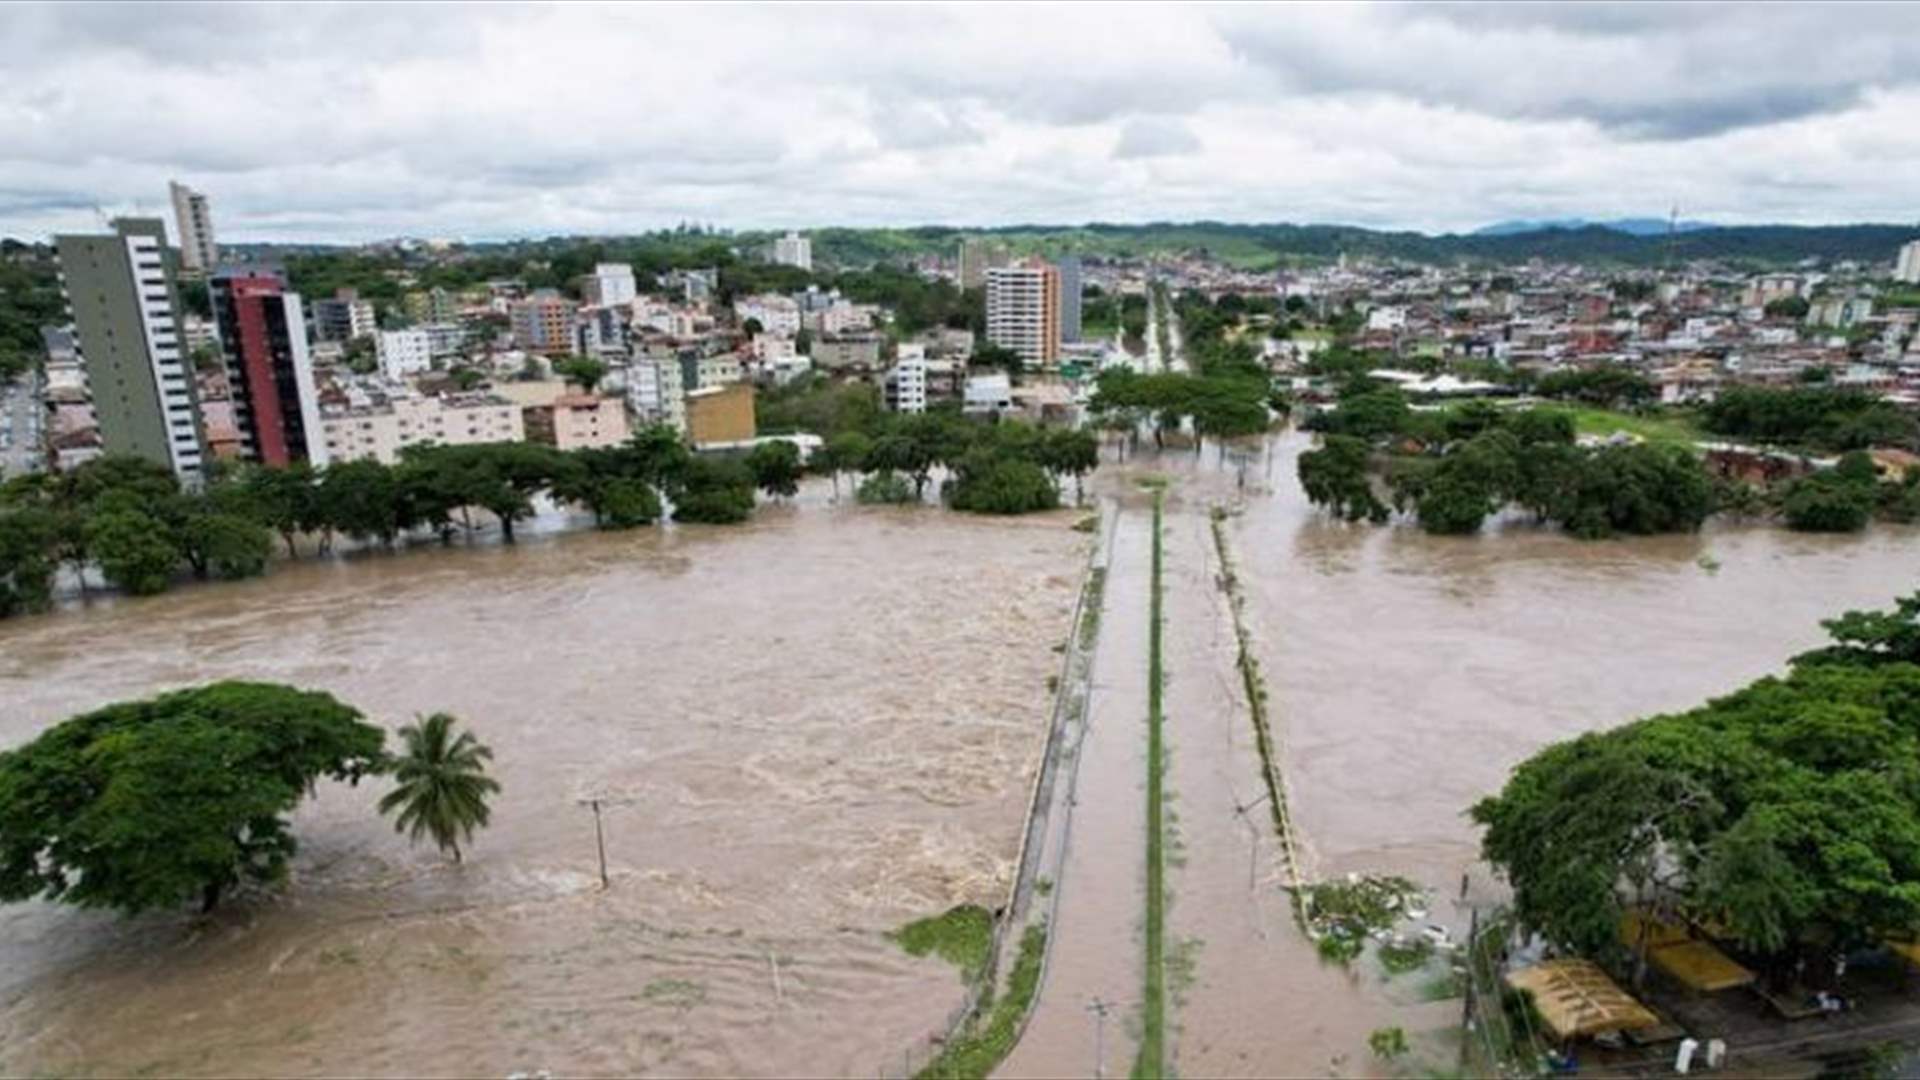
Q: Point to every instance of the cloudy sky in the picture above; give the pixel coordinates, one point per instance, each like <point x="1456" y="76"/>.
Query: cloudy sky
<point x="308" y="122"/>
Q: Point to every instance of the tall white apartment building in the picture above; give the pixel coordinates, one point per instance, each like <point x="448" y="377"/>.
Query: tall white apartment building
<point x="193" y="220"/>
<point x="793" y="250"/>
<point x="1907" y="267"/>
<point x="1023" y="311"/>
<point x="404" y="352"/>
<point x="611" y="283"/>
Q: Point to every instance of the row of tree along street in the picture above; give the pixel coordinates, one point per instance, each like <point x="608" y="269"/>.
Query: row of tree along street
<point x="1785" y="817"/>
<point x="183" y="797"/>
<point x="1227" y="393"/>
<point x="130" y="519"/>
<point x="1451" y="468"/>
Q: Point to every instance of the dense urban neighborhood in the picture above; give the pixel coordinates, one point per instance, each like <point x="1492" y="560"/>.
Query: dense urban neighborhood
<point x="1207" y="399"/>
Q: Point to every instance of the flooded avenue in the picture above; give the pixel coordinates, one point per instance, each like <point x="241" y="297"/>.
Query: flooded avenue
<point x="812" y="729"/>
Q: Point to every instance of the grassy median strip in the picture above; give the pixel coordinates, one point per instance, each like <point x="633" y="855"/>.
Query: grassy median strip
<point x="1153" y="1005"/>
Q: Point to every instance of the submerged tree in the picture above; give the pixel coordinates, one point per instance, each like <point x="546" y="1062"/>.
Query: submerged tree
<point x="442" y="784"/>
<point x="154" y="803"/>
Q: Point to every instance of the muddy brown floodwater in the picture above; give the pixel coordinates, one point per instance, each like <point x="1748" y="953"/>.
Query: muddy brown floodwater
<point x="812" y="728"/>
<point x="1411" y="672"/>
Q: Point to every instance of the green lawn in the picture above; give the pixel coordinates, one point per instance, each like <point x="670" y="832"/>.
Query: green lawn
<point x="1663" y="427"/>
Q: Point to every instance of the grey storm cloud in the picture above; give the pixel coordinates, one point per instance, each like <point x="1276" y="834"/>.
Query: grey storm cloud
<point x="348" y="121"/>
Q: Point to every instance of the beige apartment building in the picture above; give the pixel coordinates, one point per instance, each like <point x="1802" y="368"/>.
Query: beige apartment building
<point x="579" y="421"/>
<point x="380" y="431"/>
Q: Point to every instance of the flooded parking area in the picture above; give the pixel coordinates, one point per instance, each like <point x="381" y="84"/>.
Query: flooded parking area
<point x="805" y="731"/>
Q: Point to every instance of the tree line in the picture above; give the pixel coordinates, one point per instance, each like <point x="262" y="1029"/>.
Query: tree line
<point x="183" y="797"/>
<point x="130" y="519"/>
<point x="1452" y="468"/>
<point x="1784" y="816"/>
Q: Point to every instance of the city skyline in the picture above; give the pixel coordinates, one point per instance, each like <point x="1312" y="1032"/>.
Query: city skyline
<point x="354" y="124"/>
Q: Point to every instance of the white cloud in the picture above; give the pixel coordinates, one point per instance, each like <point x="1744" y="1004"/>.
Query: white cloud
<point x="353" y="122"/>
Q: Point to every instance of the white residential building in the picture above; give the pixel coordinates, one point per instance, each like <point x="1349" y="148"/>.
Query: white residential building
<point x="906" y="383"/>
<point x="445" y="338"/>
<point x="656" y="391"/>
<point x="379" y="431"/>
<point x="1387" y="318"/>
<point x="404" y="352"/>
<point x="193" y="221"/>
<point x="341" y="317"/>
<point x="717" y="370"/>
<point x="611" y="283"/>
<point x="988" y="393"/>
<point x="1907" y="267"/>
<point x="793" y="250"/>
<point x="776" y="314"/>
<point x="1023" y="311"/>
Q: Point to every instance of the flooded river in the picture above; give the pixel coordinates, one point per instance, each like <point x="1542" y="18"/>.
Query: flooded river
<point x="812" y="729"/>
<point x="818" y="726"/>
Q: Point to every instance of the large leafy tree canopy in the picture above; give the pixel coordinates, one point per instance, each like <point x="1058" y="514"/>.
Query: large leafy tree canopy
<point x="147" y="804"/>
<point x="1787" y="813"/>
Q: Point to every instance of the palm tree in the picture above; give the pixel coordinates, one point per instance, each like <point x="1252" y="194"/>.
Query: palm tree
<point x="443" y="786"/>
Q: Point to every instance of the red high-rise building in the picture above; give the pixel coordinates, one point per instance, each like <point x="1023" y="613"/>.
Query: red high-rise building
<point x="264" y="333"/>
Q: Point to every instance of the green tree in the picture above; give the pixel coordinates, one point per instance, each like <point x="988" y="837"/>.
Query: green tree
<point x="990" y="483"/>
<point x="227" y="546"/>
<point x="886" y="487"/>
<point x="132" y="550"/>
<point x="582" y="371"/>
<point x="845" y="452"/>
<point x="1071" y="452"/>
<point x="1829" y="501"/>
<point x="441" y="784"/>
<point x="1335" y="476"/>
<point x="362" y="499"/>
<point x="28" y="542"/>
<point x="776" y="468"/>
<point x="1787" y="811"/>
<point x="283" y="500"/>
<point x="714" y="491"/>
<point x="154" y="803"/>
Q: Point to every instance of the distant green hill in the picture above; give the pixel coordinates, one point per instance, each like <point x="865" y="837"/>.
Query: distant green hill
<point x="1266" y="246"/>
<point x="1254" y="247"/>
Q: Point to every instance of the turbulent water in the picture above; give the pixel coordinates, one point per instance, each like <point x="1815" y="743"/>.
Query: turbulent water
<point x="809" y="730"/>
<point x="815" y="727"/>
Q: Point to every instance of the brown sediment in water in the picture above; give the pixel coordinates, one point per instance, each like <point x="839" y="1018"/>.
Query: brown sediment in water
<point x="1406" y="675"/>
<point x="814" y="727"/>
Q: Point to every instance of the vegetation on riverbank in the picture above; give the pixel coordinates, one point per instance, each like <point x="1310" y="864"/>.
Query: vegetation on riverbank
<point x="962" y="936"/>
<point x="997" y="467"/>
<point x="990" y="1033"/>
<point x="1151" y="1061"/>
<point x="1785" y="815"/>
<point x="130" y="519"/>
<point x="1452" y="468"/>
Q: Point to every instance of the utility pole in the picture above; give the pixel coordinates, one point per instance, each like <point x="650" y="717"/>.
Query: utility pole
<point x="1099" y="1009"/>
<point x="599" y="832"/>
